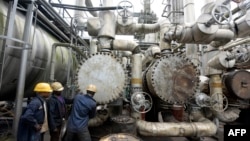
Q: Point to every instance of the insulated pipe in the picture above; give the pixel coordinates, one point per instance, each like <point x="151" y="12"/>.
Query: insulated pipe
<point x="189" y="17"/>
<point x="79" y="15"/>
<point x="177" y="12"/>
<point x="138" y="28"/>
<point x="89" y="4"/>
<point x="53" y="56"/>
<point x="151" y="53"/>
<point x="216" y="93"/>
<point x="93" y="46"/>
<point x="164" y="26"/>
<point x="215" y="85"/>
<point x="126" y="45"/>
<point x="235" y="43"/>
<point x="136" y="78"/>
<point x="106" y="32"/>
<point x="198" y="33"/>
<point x="202" y="127"/>
<point x="98" y="120"/>
<point x="230" y="115"/>
<point x="146" y="28"/>
<point x="243" y="25"/>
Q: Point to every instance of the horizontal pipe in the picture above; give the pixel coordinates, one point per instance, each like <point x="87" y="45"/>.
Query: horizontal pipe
<point x="235" y="43"/>
<point x="147" y="28"/>
<point x="126" y="45"/>
<point x="203" y="127"/>
<point x="40" y="14"/>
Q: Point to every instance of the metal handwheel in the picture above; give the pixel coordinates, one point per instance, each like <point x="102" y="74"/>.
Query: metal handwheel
<point x="125" y="11"/>
<point x="141" y="102"/>
<point x="219" y="14"/>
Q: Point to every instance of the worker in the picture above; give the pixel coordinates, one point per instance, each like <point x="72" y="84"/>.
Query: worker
<point x="84" y="108"/>
<point x="34" y="120"/>
<point x="58" y="113"/>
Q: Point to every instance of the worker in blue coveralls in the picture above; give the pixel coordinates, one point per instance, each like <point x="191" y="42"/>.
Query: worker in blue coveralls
<point x="58" y="113"/>
<point x="34" y="120"/>
<point x="84" y="108"/>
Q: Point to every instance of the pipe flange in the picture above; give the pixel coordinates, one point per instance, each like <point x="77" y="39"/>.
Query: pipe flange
<point x="173" y="78"/>
<point x="106" y="72"/>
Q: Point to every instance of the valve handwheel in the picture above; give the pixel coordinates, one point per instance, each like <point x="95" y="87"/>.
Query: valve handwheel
<point x="141" y="102"/>
<point x="125" y="11"/>
<point x="219" y="13"/>
<point x="215" y="102"/>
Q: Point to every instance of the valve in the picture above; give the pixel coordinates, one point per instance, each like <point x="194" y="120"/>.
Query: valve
<point x="141" y="102"/>
<point x="125" y="12"/>
<point x="219" y="13"/>
<point x="215" y="102"/>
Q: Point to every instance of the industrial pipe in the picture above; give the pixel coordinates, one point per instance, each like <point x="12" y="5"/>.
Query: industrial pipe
<point x="101" y="116"/>
<point x="136" y="78"/>
<point x="40" y="14"/>
<point x="235" y="43"/>
<point x="23" y="66"/>
<point x="230" y="115"/>
<point x="126" y="45"/>
<point x="216" y="93"/>
<point x="53" y="56"/>
<point x="202" y="127"/>
<point x="151" y="53"/>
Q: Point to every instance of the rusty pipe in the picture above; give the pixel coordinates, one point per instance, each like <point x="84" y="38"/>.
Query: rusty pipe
<point x="202" y="127"/>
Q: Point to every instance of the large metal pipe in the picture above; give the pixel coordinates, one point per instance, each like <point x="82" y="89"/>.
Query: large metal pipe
<point x="201" y="127"/>
<point x="9" y="33"/>
<point x="126" y="45"/>
<point x="38" y="57"/>
<point x="151" y="53"/>
<point x="136" y="78"/>
<point x="53" y="56"/>
<point x="40" y="14"/>
<point x="23" y="64"/>
<point x="219" y="110"/>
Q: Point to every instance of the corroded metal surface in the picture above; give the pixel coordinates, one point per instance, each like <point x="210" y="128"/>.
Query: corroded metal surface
<point x="104" y="71"/>
<point x="173" y="78"/>
<point x="238" y="83"/>
<point x="120" y="137"/>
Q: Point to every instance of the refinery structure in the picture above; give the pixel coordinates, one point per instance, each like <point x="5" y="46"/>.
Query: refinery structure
<point x="178" y="76"/>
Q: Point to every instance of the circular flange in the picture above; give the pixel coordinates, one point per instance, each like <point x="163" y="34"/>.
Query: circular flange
<point x="104" y="71"/>
<point x="173" y="78"/>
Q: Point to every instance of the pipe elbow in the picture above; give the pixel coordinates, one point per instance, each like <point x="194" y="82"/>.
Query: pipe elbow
<point x="230" y="115"/>
<point x="225" y="35"/>
<point x="126" y="45"/>
<point x="147" y="28"/>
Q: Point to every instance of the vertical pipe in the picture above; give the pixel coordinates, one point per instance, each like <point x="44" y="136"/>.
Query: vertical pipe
<point x="177" y="6"/>
<point x="93" y="46"/>
<point x="189" y="17"/>
<point x="215" y="84"/>
<point x="9" y="30"/>
<point x="136" y="79"/>
<point x="22" y="73"/>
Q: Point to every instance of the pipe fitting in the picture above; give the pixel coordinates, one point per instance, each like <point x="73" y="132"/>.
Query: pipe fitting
<point x="126" y="45"/>
<point x="203" y="127"/>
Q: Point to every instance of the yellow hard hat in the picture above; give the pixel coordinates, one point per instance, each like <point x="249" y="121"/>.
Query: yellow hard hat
<point x="57" y="86"/>
<point x="91" y="88"/>
<point x="42" y="87"/>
